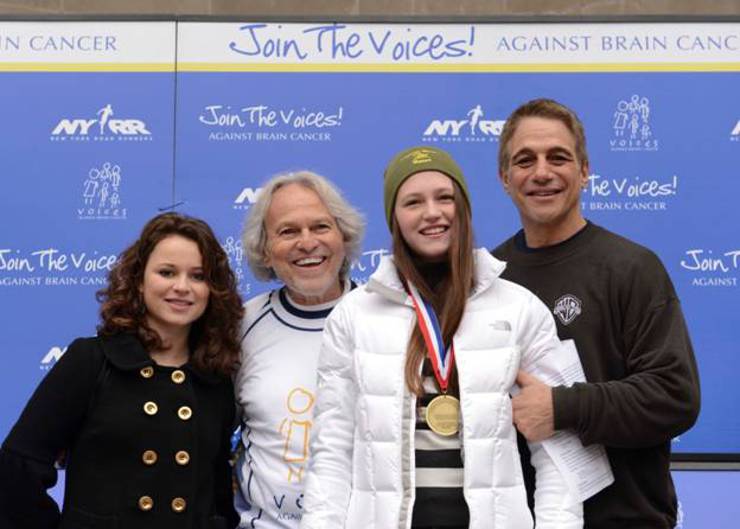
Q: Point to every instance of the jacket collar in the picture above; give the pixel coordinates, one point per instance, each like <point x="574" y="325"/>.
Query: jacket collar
<point x="126" y="353"/>
<point x="386" y="282"/>
<point x="487" y="270"/>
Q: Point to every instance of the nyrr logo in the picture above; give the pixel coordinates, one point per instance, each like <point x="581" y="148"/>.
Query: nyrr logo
<point x="631" y="125"/>
<point x="101" y="194"/>
<point x="51" y="358"/>
<point x="735" y="135"/>
<point x="472" y="129"/>
<point x="103" y="128"/>
<point x="246" y="198"/>
<point x="567" y="308"/>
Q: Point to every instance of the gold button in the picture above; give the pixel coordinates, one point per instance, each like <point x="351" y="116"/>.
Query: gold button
<point x="184" y="413"/>
<point x="149" y="457"/>
<point x="150" y="408"/>
<point x="146" y="503"/>
<point x="182" y="458"/>
<point x="147" y="372"/>
<point x="178" y="377"/>
<point x="179" y="504"/>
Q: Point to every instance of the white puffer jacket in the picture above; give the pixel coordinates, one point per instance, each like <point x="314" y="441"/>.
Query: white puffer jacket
<point x="361" y="473"/>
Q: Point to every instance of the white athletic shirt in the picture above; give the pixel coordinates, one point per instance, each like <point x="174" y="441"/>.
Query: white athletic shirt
<point x="276" y="389"/>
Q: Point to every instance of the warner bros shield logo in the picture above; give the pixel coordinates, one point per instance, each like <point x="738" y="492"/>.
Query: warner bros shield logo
<point x="567" y="308"/>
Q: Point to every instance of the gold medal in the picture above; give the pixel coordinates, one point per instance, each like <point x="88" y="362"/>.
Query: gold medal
<point x="443" y="415"/>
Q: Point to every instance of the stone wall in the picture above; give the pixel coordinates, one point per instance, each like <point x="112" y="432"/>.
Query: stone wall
<point x="369" y="8"/>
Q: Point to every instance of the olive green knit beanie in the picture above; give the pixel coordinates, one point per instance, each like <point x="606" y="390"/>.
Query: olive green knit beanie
<point x="414" y="160"/>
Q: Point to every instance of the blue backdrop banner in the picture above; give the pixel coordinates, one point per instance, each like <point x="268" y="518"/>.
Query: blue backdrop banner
<point x="108" y="123"/>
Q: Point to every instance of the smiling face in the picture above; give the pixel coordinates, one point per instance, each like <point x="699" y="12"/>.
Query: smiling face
<point x="174" y="288"/>
<point x="544" y="178"/>
<point x="425" y="213"/>
<point x="305" y="247"/>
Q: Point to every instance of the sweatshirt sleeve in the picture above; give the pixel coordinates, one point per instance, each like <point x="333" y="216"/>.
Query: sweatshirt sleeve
<point x="46" y="427"/>
<point x="328" y="481"/>
<point x="658" y="398"/>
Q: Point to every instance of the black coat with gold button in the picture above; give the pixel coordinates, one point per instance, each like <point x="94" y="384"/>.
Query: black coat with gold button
<point x="147" y="446"/>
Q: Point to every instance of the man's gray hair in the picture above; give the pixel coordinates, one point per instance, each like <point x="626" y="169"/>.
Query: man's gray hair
<point x="254" y="237"/>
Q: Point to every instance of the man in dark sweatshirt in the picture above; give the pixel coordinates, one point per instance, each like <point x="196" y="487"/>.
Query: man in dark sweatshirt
<point x="615" y="300"/>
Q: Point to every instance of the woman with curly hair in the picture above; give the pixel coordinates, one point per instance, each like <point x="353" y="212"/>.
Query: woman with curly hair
<point x="143" y="412"/>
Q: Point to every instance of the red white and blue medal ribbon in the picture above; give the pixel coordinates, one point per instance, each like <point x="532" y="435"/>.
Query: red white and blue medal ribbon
<point x="442" y="358"/>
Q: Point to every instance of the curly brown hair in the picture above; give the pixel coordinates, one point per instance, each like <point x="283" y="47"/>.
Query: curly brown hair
<point x="214" y="337"/>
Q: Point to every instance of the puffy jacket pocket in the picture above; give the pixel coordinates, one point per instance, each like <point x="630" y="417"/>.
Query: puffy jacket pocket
<point x="360" y="510"/>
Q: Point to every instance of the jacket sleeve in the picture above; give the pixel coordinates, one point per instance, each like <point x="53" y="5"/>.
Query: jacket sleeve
<point x="537" y="336"/>
<point x="555" y="507"/>
<point x="328" y="481"/>
<point x="658" y="398"/>
<point x="48" y="425"/>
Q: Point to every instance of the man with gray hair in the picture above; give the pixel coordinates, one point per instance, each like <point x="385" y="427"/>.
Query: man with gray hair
<point x="302" y="233"/>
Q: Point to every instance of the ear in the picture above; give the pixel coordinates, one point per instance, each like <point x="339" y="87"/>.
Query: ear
<point x="584" y="174"/>
<point x="266" y="257"/>
<point x="504" y="177"/>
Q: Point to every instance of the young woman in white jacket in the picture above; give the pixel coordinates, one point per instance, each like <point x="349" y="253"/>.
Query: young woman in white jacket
<point x="413" y="420"/>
